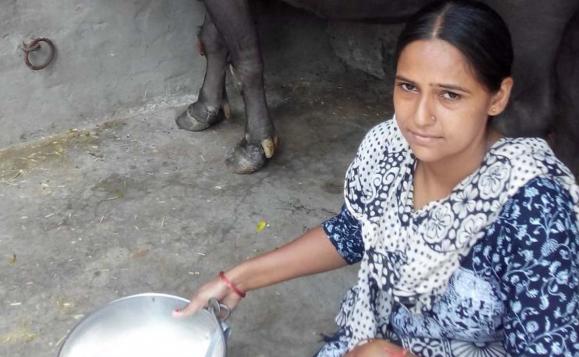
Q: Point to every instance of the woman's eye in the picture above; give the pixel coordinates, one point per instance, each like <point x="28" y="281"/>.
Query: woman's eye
<point x="407" y="87"/>
<point x="451" y="95"/>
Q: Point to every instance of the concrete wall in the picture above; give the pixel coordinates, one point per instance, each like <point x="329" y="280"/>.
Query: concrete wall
<point x="112" y="55"/>
<point x="367" y="47"/>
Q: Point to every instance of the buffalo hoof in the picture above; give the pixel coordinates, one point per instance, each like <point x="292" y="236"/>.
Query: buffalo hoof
<point x="199" y="117"/>
<point x="248" y="158"/>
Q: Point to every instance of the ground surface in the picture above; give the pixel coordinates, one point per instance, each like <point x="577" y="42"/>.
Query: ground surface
<point x="136" y="205"/>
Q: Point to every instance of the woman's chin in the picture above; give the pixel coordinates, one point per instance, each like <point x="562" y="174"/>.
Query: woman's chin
<point x="426" y="155"/>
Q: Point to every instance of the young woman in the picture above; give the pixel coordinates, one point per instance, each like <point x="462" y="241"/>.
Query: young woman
<point x="467" y="240"/>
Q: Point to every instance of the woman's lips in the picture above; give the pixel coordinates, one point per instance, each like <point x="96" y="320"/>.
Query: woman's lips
<point x="423" y="138"/>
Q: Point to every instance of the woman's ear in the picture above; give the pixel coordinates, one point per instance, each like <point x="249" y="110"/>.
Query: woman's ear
<point x="500" y="99"/>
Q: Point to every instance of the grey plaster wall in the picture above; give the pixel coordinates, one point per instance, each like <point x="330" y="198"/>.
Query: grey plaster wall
<point x="112" y="56"/>
<point x="367" y="47"/>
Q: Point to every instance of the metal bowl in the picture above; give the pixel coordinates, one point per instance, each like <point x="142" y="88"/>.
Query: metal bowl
<point x="142" y="325"/>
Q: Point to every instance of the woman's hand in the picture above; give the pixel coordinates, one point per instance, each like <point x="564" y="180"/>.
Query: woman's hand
<point x="215" y="288"/>
<point x="378" y="348"/>
<point x="309" y="254"/>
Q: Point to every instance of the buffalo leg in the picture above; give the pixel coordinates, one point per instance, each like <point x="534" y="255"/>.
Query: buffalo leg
<point x="536" y="30"/>
<point x="565" y="134"/>
<point x="211" y="105"/>
<point x="233" y="21"/>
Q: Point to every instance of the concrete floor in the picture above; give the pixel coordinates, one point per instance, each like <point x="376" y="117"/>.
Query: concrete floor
<point x="136" y="205"/>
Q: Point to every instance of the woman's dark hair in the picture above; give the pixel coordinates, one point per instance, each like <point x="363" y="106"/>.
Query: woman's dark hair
<point x="475" y="29"/>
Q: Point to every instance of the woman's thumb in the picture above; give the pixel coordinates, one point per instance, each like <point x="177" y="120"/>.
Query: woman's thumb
<point x="188" y="310"/>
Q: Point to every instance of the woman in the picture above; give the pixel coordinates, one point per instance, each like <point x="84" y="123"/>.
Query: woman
<point x="467" y="239"/>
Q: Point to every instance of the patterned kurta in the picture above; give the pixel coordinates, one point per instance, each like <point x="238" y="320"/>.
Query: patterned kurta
<point x="510" y="286"/>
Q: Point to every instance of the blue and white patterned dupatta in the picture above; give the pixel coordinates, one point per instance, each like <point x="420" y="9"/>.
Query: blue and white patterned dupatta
<point x="410" y="255"/>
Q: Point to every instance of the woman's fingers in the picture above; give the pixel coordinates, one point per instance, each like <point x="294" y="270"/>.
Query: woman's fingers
<point x="194" y="306"/>
<point x="231" y="301"/>
<point x="213" y="289"/>
<point x="197" y="303"/>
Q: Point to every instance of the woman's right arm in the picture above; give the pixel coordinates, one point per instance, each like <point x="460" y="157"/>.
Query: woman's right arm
<point x="540" y="278"/>
<point x="311" y="253"/>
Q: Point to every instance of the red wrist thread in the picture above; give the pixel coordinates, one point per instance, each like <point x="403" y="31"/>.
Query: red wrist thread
<point x="230" y="284"/>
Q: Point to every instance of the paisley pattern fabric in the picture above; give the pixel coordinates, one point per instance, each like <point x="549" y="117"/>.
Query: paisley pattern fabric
<point x="344" y="225"/>
<point x="435" y="280"/>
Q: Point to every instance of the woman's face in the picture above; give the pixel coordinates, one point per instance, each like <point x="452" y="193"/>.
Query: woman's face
<point x="441" y="107"/>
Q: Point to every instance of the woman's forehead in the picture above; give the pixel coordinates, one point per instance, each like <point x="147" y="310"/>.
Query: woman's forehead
<point x="434" y="60"/>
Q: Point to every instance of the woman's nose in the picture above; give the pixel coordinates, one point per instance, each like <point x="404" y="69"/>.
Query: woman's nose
<point x="424" y="115"/>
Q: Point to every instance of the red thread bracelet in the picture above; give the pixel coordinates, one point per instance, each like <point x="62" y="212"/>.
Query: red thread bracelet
<point x="230" y="284"/>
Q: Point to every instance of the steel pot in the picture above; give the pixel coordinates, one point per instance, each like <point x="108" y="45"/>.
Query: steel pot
<point x="142" y="325"/>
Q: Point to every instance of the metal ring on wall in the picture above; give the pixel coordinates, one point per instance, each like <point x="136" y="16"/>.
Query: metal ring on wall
<point x="34" y="46"/>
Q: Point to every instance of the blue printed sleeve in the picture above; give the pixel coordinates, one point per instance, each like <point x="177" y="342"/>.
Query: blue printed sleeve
<point x="540" y="281"/>
<point x="345" y="233"/>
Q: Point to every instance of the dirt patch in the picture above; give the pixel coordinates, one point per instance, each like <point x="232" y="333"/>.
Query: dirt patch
<point x="17" y="160"/>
